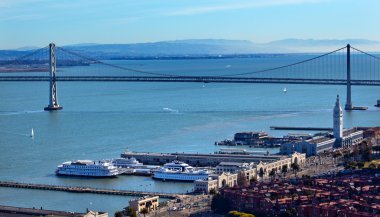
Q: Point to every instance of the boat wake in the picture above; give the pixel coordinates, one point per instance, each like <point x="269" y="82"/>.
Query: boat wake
<point x="7" y="113"/>
<point x="17" y="134"/>
<point x="171" y="110"/>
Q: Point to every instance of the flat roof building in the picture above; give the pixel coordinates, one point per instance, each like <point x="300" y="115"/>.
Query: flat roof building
<point x="11" y="211"/>
<point x="233" y="167"/>
<point x="149" y="203"/>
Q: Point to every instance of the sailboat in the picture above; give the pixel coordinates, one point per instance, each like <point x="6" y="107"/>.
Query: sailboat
<point x="32" y="133"/>
<point x="285" y="90"/>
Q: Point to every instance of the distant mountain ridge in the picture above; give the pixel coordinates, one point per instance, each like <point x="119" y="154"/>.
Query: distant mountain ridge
<point x="206" y="47"/>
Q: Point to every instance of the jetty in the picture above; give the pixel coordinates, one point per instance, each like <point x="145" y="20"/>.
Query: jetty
<point x="199" y="160"/>
<point x="301" y="128"/>
<point x="77" y="189"/>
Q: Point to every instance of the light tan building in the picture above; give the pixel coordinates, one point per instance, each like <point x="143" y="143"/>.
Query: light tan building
<point x="11" y="211"/>
<point x="150" y="203"/>
<point x="277" y="166"/>
<point x="249" y="175"/>
<point x="233" y="167"/>
<point x="215" y="181"/>
<point x="205" y="185"/>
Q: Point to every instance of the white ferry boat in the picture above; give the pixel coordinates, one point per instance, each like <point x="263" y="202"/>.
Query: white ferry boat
<point x="127" y="163"/>
<point x="88" y="168"/>
<point x="179" y="171"/>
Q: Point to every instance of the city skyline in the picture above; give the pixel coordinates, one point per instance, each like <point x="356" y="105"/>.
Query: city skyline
<point x="67" y="22"/>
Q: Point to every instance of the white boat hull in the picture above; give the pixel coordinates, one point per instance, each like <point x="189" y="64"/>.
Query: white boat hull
<point x="189" y="177"/>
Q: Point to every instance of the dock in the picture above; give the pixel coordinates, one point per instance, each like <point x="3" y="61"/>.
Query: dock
<point x="76" y="189"/>
<point x="301" y="128"/>
<point x="199" y="160"/>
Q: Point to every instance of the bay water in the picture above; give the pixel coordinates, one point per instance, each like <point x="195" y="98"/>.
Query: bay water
<point x="100" y="120"/>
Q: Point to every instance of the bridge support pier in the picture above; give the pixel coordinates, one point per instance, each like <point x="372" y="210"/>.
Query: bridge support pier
<point x="53" y="100"/>
<point x="348" y="105"/>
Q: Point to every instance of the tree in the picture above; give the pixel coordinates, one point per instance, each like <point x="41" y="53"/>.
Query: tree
<point x="130" y="212"/>
<point x="253" y="180"/>
<point x="367" y="152"/>
<point x="351" y="165"/>
<point x="272" y="174"/>
<point x="241" y="179"/>
<point x="239" y="214"/>
<point x="119" y="214"/>
<point x="360" y="165"/>
<point x="261" y="173"/>
<point x="284" y="169"/>
<point x="144" y="211"/>
<point x="220" y="204"/>
<point x="295" y="167"/>
<point x="212" y="191"/>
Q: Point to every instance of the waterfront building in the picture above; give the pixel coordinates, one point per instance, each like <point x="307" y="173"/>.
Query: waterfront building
<point x="227" y="179"/>
<point x="206" y="185"/>
<point x="215" y="181"/>
<point x="250" y="138"/>
<point x="264" y="168"/>
<point x="201" y="160"/>
<point x="149" y="203"/>
<point x="324" y="142"/>
<point x="373" y="134"/>
<point x="233" y="167"/>
<point x="310" y="147"/>
<point x="351" y="137"/>
<point x="11" y="211"/>
<point x="250" y="174"/>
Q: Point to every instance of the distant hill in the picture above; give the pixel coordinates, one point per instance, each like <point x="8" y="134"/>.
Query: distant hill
<point x="312" y="45"/>
<point x="168" y="48"/>
<point x="204" y="48"/>
<point x="193" y="47"/>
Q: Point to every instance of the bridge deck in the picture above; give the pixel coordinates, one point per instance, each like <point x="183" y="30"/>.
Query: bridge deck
<point x="204" y="79"/>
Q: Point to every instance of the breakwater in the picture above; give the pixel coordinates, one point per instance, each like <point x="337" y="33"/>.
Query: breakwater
<point x="76" y="189"/>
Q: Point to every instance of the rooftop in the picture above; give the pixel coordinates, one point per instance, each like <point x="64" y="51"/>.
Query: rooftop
<point x="6" y="211"/>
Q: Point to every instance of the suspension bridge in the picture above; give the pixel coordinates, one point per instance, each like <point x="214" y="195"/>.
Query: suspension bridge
<point x="345" y="66"/>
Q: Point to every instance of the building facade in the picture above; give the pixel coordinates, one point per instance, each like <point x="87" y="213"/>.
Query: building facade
<point x="233" y="167"/>
<point x="263" y="169"/>
<point x="215" y="181"/>
<point x="149" y="203"/>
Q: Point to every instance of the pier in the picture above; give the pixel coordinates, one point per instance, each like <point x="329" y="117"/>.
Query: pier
<point x="85" y="190"/>
<point x="199" y="160"/>
<point x="301" y="128"/>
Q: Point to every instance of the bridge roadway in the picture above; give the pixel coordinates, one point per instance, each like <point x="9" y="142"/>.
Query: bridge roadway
<point x="204" y="79"/>
<point x="85" y="190"/>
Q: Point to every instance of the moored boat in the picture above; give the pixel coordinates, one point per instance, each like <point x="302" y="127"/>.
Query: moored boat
<point x="88" y="168"/>
<point x="179" y="171"/>
<point x="127" y="162"/>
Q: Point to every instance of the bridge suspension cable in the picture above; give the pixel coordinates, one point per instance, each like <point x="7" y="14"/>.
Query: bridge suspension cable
<point x="115" y="66"/>
<point x="363" y="52"/>
<point x="285" y="66"/>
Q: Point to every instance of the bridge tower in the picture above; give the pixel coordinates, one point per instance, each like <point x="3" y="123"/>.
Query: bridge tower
<point x="348" y="105"/>
<point x="53" y="100"/>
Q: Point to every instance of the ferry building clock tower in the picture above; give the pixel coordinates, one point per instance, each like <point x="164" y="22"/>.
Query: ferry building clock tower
<point x="338" y="122"/>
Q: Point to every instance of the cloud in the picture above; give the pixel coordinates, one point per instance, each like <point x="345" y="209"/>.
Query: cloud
<point x="239" y="5"/>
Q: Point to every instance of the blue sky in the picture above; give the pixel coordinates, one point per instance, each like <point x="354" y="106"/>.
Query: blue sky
<point x="38" y="22"/>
